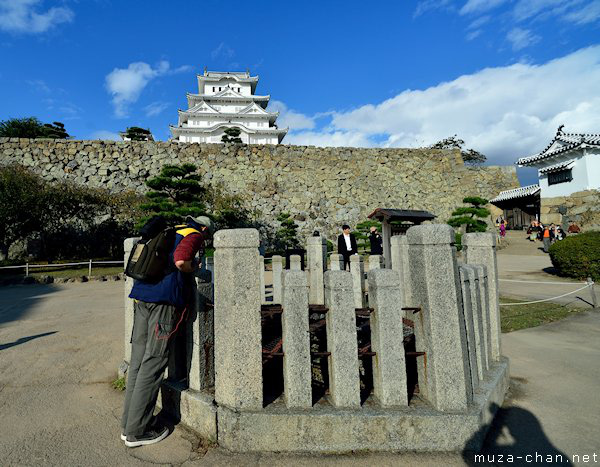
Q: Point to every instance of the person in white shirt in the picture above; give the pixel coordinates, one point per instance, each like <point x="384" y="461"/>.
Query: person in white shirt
<point x="347" y="245"/>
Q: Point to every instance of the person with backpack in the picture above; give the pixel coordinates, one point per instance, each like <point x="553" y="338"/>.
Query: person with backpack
<point x="160" y="305"/>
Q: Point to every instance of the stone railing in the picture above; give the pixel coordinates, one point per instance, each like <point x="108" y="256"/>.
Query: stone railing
<point x="408" y="359"/>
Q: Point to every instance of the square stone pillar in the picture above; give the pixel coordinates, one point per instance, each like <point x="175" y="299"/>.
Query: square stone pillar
<point x="238" y="349"/>
<point x="439" y="326"/>
<point x="263" y="292"/>
<point x="336" y="262"/>
<point x="358" y="280"/>
<point x="480" y="248"/>
<point x="387" y="335"/>
<point x="295" y="263"/>
<point x="469" y="296"/>
<point x="297" y="374"/>
<point x="200" y="335"/>
<point x="316" y="252"/>
<point x="375" y="262"/>
<point x="277" y="268"/>
<point x="128" y="283"/>
<point x="400" y="263"/>
<point x="344" y="380"/>
<point x="481" y="280"/>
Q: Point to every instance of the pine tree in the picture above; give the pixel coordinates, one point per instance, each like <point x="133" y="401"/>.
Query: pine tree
<point x="135" y="133"/>
<point x="287" y="235"/>
<point x="232" y="135"/>
<point x="470" y="216"/>
<point x="176" y="193"/>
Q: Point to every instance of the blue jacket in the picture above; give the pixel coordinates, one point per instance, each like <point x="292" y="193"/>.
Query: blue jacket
<point x="175" y="288"/>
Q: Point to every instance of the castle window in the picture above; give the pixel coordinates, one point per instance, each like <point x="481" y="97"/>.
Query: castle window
<point x="562" y="176"/>
<point x="214" y="89"/>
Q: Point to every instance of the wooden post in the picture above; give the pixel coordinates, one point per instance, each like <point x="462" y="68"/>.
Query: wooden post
<point x="386" y="233"/>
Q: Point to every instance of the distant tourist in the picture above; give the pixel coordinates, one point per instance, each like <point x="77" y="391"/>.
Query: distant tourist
<point x="502" y="229"/>
<point x="534" y="231"/>
<point x="347" y="245"/>
<point x="159" y="309"/>
<point x="559" y="233"/>
<point x="376" y="242"/>
<point x="573" y="228"/>
<point x="546" y="238"/>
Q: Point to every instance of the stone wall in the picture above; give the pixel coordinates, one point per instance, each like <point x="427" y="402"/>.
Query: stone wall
<point x="321" y="187"/>
<point x="583" y="207"/>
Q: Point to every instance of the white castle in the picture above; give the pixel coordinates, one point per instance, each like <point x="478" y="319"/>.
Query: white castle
<point x="225" y="100"/>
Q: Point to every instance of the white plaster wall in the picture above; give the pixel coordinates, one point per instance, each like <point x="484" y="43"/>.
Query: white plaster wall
<point x="580" y="176"/>
<point x="593" y="168"/>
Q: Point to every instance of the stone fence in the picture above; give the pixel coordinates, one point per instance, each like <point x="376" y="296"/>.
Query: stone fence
<point x="326" y="361"/>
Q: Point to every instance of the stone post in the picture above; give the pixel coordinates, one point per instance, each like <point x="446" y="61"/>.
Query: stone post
<point x="238" y="349"/>
<point x="344" y="381"/>
<point x="295" y="263"/>
<point x="127" y="247"/>
<point x="439" y="326"/>
<point x="297" y="373"/>
<point x="481" y="280"/>
<point x="480" y="248"/>
<point x="263" y="292"/>
<point x="200" y="336"/>
<point x="400" y="263"/>
<point x="358" y="280"/>
<point x="375" y="262"/>
<point x="469" y="296"/>
<point x="277" y="268"/>
<point x="316" y="252"/>
<point x="210" y="265"/>
<point x="389" y="365"/>
<point x="336" y="262"/>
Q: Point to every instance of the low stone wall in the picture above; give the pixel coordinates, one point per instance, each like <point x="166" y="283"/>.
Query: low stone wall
<point x="583" y="207"/>
<point x="321" y="187"/>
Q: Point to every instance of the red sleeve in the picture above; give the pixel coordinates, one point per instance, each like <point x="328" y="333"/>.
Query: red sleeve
<point x="188" y="247"/>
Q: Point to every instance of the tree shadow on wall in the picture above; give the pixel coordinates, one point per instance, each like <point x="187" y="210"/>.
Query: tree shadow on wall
<point x="514" y="433"/>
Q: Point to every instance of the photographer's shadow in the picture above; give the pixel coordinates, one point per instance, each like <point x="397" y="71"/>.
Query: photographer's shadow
<point x="516" y="436"/>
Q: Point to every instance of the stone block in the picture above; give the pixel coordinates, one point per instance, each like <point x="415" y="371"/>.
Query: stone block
<point x="263" y="292"/>
<point x="469" y="287"/>
<point x="296" y="341"/>
<point x="200" y="336"/>
<point x="375" y="262"/>
<point x="389" y="365"/>
<point x="477" y="252"/>
<point x="336" y="262"/>
<point x="439" y="329"/>
<point x="483" y="302"/>
<point x="344" y="382"/>
<point x="400" y="263"/>
<point x="327" y="430"/>
<point x="358" y="280"/>
<point x="295" y="263"/>
<point x="238" y="349"/>
<point x="316" y="252"/>
<point x="277" y="269"/>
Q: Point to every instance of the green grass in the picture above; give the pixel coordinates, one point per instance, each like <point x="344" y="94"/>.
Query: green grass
<point x="514" y="318"/>
<point x="76" y="271"/>
<point x="119" y="384"/>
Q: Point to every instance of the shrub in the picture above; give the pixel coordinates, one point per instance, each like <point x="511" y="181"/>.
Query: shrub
<point x="577" y="256"/>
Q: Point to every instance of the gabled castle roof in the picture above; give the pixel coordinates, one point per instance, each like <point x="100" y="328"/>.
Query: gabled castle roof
<point x="520" y="192"/>
<point x="562" y="143"/>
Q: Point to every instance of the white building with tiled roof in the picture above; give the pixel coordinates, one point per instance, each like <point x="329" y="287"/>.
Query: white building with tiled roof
<point x="569" y="164"/>
<point x="225" y="100"/>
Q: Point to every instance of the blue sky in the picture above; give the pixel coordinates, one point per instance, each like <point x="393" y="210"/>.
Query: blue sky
<point x="501" y="74"/>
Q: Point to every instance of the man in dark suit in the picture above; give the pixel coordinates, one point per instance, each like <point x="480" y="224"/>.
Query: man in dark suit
<point x="347" y="245"/>
<point x="376" y="242"/>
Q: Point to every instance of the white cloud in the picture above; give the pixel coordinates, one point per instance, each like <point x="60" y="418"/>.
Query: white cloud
<point x="105" y="135"/>
<point x="39" y="85"/>
<point x="587" y="14"/>
<point x="222" y="50"/>
<point x="480" y="6"/>
<point x="126" y="84"/>
<point x="521" y="38"/>
<point x="155" y="108"/>
<point x="20" y="16"/>
<point x="427" y="5"/>
<point x="504" y="112"/>
<point x="289" y="118"/>
<point x="473" y="34"/>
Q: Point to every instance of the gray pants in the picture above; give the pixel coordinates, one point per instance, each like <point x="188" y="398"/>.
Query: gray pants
<point x="546" y="244"/>
<point x="152" y="324"/>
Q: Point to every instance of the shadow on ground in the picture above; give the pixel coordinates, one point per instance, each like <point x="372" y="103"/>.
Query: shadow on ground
<point x="16" y="301"/>
<point x="515" y="436"/>
<point x="23" y="340"/>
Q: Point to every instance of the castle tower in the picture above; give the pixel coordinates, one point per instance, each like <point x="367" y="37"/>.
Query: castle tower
<point x="224" y="100"/>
